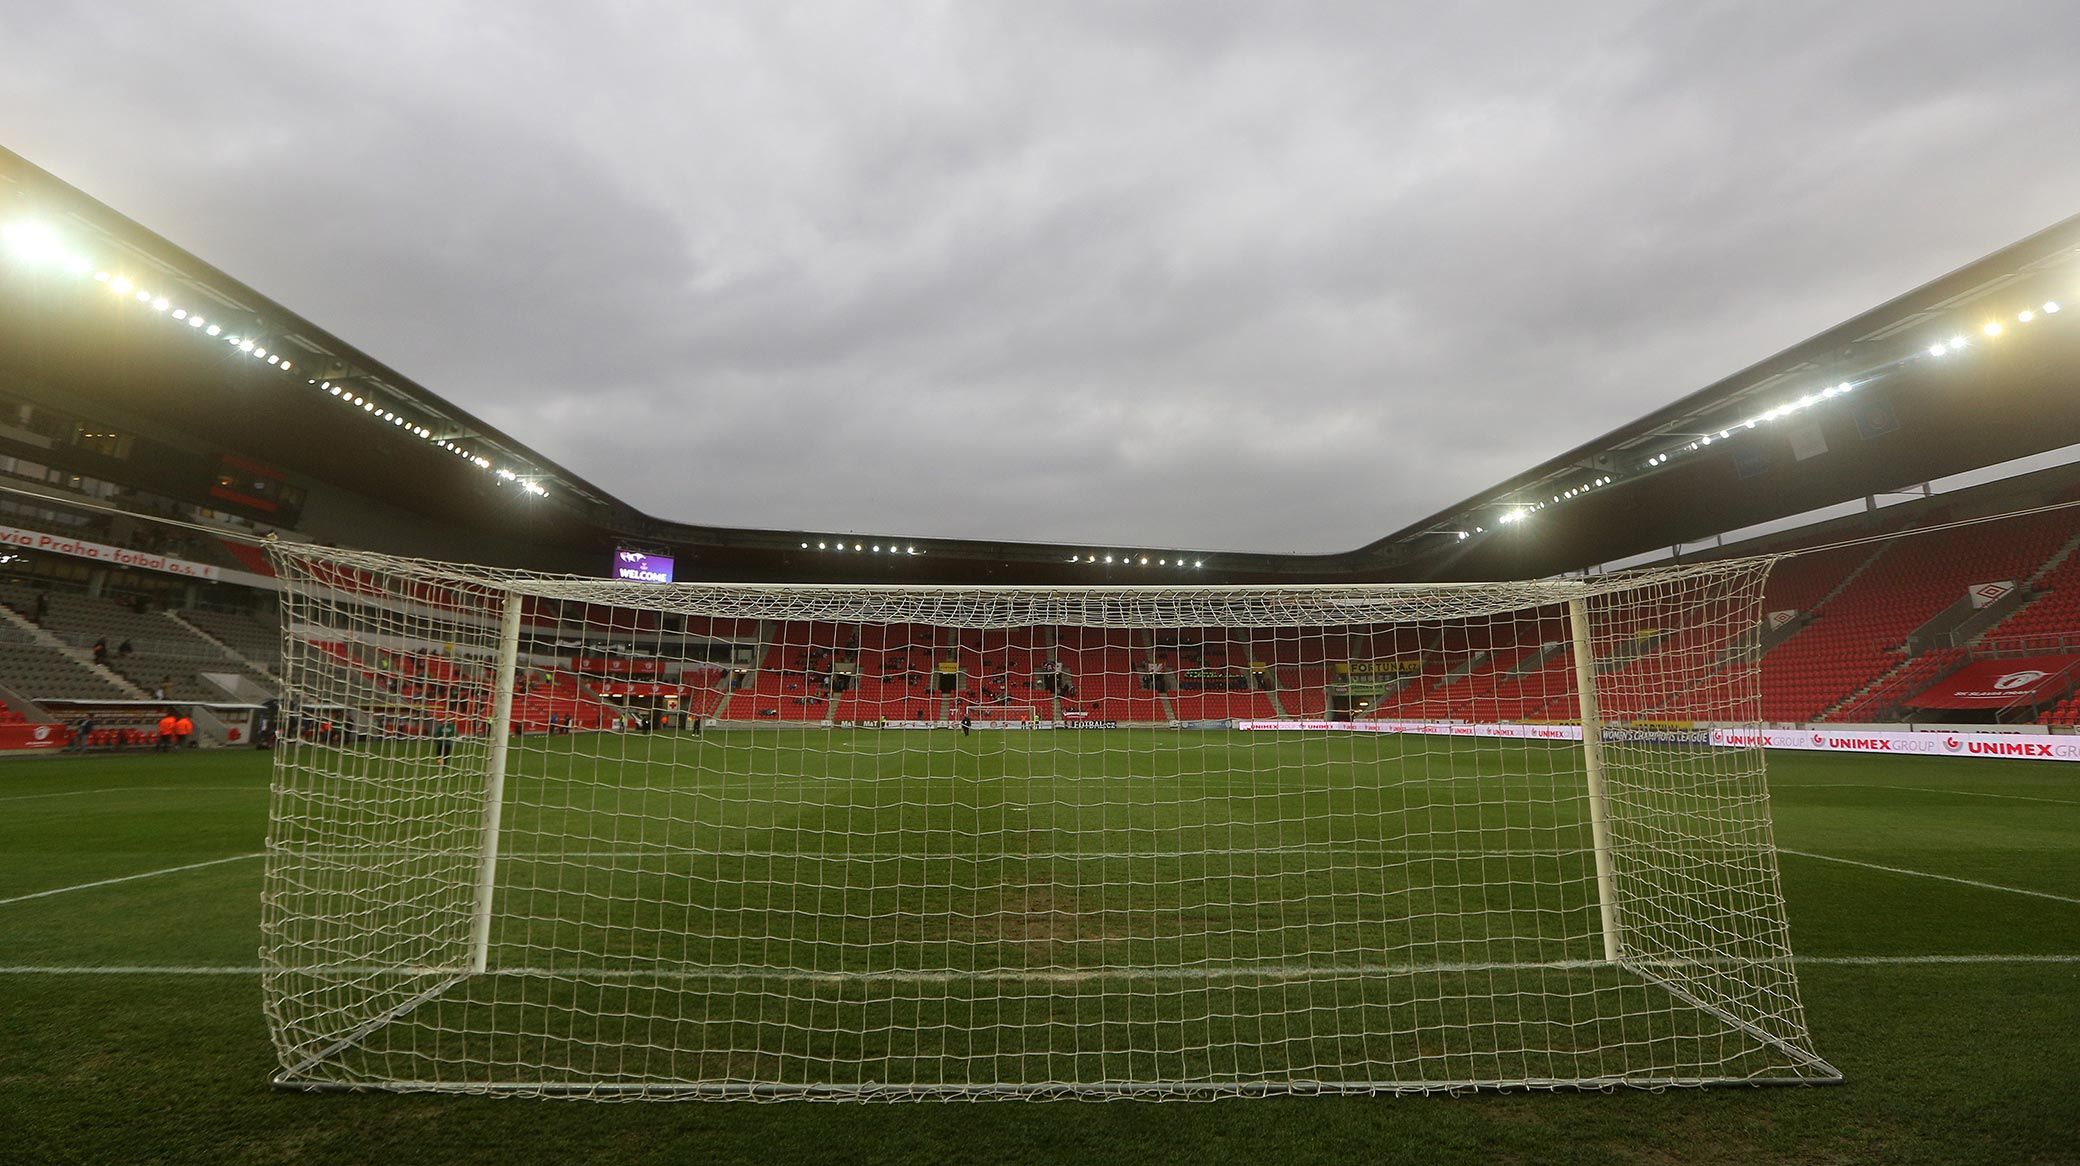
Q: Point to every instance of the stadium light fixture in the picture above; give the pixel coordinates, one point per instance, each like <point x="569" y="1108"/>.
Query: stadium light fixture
<point x="1938" y="348"/>
<point x="143" y="296"/>
<point x="1992" y="328"/>
<point x="31" y="242"/>
<point x="180" y="313"/>
<point x="78" y="265"/>
<point x="1108" y="558"/>
<point x="161" y="304"/>
<point x="2025" y="316"/>
<point x="1198" y="562"/>
<point x="2051" y="307"/>
<point x="214" y="330"/>
<point x="119" y="285"/>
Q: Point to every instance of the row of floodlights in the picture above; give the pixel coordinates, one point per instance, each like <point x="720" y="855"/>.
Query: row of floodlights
<point x="1992" y="329"/>
<point x="1521" y="513"/>
<point x="1131" y="561"/>
<point x="34" y="244"/>
<point x="872" y="549"/>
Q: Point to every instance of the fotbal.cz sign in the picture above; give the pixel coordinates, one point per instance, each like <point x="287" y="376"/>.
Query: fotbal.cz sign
<point x="79" y="548"/>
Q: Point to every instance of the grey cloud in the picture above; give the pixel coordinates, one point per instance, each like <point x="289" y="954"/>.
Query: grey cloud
<point x="1278" y="278"/>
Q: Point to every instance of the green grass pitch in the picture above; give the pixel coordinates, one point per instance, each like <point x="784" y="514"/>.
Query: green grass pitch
<point x="1935" y="908"/>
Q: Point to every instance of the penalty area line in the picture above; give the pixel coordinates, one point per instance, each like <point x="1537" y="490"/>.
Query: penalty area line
<point x="1922" y="874"/>
<point x="150" y="874"/>
<point x="1263" y="971"/>
<point x="133" y="789"/>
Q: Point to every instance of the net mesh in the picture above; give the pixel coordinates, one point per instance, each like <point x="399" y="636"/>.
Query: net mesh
<point x="888" y="843"/>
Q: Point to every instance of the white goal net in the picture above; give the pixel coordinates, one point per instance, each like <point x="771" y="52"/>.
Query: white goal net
<point x="551" y="835"/>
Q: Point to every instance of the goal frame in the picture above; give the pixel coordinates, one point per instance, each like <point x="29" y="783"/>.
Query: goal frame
<point x="1610" y="912"/>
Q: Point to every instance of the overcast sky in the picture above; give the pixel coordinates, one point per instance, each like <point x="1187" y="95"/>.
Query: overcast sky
<point x="1265" y="277"/>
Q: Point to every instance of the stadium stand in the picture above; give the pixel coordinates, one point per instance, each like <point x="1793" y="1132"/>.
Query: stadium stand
<point x="1857" y="637"/>
<point x="257" y="637"/>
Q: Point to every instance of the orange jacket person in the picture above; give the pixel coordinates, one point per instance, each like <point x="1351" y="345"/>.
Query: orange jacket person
<point x="166" y="727"/>
<point x="182" y="730"/>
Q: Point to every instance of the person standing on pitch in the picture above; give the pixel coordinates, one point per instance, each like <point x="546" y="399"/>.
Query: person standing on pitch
<point x="166" y="724"/>
<point x="966" y="724"/>
<point x="443" y="742"/>
<point x="183" y="728"/>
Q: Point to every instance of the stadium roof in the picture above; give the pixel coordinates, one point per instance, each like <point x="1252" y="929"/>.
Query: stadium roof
<point x="1969" y="370"/>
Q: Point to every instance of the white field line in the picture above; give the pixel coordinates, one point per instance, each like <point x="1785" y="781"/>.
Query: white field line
<point x="1244" y="971"/>
<point x="131" y="789"/>
<point x="1928" y="789"/>
<point x="1310" y="849"/>
<point x="129" y="878"/>
<point x="1926" y="875"/>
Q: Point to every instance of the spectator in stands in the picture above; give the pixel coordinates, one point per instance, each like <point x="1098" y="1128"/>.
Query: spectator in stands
<point x="123" y="649"/>
<point x="42" y="608"/>
<point x="101" y="650"/>
<point x="167" y="723"/>
<point x="183" y="728"/>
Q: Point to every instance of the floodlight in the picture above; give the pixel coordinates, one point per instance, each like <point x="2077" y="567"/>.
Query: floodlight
<point x="2051" y="307"/>
<point x="161" y="304"/>
<point x="31" y="242"/>
<point x="194" y="321"/>
<point x="2025" y="316"/>
<point x="214" y="330"/>
<point x="143" y="296"/>
<point x="1938" y="349"/>
<point x="1991" y="328"/>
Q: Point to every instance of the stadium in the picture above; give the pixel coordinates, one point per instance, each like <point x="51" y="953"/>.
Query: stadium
<point x="357" y="755"/>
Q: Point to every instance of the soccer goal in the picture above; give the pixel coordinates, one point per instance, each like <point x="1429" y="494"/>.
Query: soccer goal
<point x="549" y="835"/>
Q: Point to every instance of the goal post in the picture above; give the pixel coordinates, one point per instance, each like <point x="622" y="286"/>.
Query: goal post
<point x="552" y="835"/>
